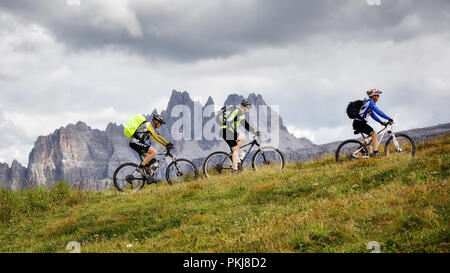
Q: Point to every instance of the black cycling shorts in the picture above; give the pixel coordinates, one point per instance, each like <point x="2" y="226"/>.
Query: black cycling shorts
<point x="230" y="137"/>
<point x="363" y="127"/>
<point x="139" y="146"/>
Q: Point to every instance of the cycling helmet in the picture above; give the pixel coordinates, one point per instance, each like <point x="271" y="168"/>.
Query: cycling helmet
<point x="373" y="92"/>
<point x="246" y="103"/>
<point x="159" y="118"/>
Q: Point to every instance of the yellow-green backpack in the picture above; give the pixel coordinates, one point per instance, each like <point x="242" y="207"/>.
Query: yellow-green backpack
<point x="133" y="124"/>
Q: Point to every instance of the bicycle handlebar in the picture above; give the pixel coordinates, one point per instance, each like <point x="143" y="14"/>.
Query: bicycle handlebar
<point x="387" y="123"/>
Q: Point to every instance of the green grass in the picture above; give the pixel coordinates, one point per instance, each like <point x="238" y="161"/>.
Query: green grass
<point x="319" y="206"/>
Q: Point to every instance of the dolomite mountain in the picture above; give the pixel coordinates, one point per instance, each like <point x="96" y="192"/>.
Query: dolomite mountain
<point x="87" y="157"/>
<point x="14" y="177"/>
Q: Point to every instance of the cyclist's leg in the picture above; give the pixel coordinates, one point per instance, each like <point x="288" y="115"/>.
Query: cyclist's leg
<point x="151" y="153"/>
<point x="368" y="130"/>
<point x="375" y="143"/>
<point x="240" y="140"/>
<point x="235" y="157"/>
<point x="363" y="127"/>
<point x="144" y="150"/>
<point x="231" y="138"/>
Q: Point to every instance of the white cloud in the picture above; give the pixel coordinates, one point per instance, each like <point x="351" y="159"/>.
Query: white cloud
<point x="18" y="152"/>
<point x="299" y="133"/>
<point x="118" y="13"/>
<point x="322" y="135"/>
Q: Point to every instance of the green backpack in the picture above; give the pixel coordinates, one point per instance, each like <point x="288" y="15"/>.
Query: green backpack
<point x="133" y="124"/>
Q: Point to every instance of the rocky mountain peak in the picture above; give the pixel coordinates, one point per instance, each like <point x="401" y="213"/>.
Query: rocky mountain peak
<point x="14" y="177"/>
<point x="113" y="128"/>
<point x="15" y="164"/>
<point x="233" y="99"/>
<point x="306" y="140"/>
<point x="210" y="101"/>
<point x="149" y="117"/>
<point x="79" y="126"/>
<point x="179" y="98"/>
<point x="256" y="100"/>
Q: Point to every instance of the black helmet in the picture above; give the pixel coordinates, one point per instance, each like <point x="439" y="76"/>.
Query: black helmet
<point x="246" y="103"/>
<point x="159" y="118"/>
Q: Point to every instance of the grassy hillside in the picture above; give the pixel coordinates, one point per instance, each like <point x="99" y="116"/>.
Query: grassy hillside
<point x="318" y="206"/>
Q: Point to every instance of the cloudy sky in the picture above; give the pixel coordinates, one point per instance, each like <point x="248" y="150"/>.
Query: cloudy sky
<point x="105" y="60"/>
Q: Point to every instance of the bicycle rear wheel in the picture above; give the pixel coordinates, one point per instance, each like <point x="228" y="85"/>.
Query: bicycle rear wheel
<point x="181" y="170"/>
<point x="218" y="163"/>
<point x="400" y="144"/>
<point x="268" y="157"/>
<point x="351" y="149"/>
<point x="127" y="179"/>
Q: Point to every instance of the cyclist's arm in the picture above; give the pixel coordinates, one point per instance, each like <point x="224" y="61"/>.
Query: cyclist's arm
<point x="380" y="113"/>
<point x="375" y="117"/>
<point x="157" y="137"/>
<point x="248" y="127"/>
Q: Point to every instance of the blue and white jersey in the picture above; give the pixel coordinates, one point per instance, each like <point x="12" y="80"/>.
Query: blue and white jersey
<point x="369" y="108"/>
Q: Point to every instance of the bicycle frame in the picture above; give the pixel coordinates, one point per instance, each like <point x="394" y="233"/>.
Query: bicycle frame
<point x="253" y="143"/>
<point x="368" y="140"/>
<point x="164" y="158"/>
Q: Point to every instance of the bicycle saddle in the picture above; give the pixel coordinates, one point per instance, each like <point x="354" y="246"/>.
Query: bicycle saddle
<point x="357" y="132"/>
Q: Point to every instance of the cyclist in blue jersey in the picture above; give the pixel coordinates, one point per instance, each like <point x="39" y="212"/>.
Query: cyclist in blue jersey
<point x="369" y="108"/>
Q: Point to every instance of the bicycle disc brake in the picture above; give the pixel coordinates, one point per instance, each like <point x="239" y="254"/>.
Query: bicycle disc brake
<point x="219" y="168"/>
<point x="129" y="178"/>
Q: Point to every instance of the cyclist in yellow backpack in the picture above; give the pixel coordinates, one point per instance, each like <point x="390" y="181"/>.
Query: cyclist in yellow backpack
<point x="138" y="143"/>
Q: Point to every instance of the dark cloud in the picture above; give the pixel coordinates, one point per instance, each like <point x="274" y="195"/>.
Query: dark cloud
<point x="223" y="28"/>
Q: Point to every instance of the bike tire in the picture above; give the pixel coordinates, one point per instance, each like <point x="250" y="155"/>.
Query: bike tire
<point x="339" y="148"/>
<point x="208" y="157"/>
<point x="115" y="182"/>
<point x="169" y="181"/>
<point x="413" y="144"/>
<point x="283" y="162"/>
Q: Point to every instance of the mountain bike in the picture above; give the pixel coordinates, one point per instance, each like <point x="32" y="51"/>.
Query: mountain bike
<point x="219" y="163"/>
<point x="128" y="179"/>
<point x="353" y="149"/>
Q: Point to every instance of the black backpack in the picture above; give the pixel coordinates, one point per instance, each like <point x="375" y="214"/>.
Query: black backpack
<point x="353" y="109"/>
<point x="221" y="116"/>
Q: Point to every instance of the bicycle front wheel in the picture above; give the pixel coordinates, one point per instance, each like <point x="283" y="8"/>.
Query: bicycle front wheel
<point x="351" y="150"/>
<point x="268" y="157"/>
<point x="218" y="163"/>
<point x="400" y="144"/>
<point x="181" y="170"/>
<point x="127" y="179"/>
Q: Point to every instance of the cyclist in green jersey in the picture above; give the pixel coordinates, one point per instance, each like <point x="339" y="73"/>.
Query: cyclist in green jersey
<point x="230" y="134"/>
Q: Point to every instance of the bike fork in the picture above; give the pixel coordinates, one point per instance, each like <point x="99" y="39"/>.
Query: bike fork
<point x="397" y="146"/>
